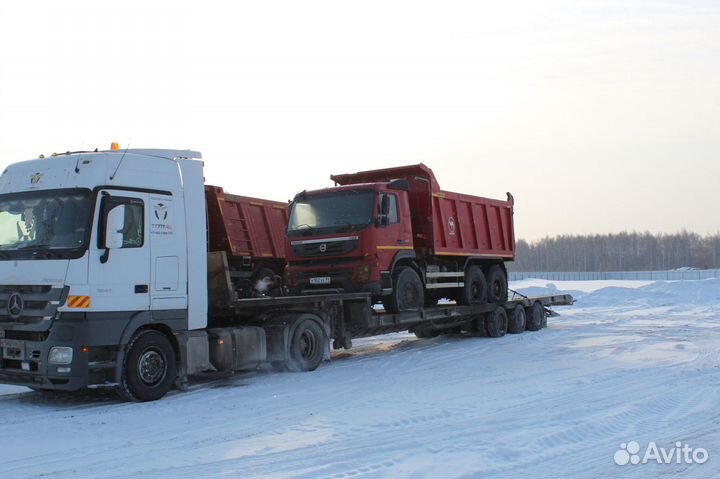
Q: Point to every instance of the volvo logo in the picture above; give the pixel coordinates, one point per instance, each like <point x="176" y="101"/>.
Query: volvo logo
<point x="15" y="305"/>
<point x="323" y="247"/>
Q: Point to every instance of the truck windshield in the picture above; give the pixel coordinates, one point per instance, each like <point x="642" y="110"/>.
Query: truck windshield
<point x="53" y="222"/>
<point x="331" y="212"/>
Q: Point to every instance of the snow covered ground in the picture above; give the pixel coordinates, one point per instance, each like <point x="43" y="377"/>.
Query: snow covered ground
<point x="631" y="361"/>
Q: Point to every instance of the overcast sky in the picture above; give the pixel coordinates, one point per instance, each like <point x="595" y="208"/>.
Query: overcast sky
<point x="598" y="116"/>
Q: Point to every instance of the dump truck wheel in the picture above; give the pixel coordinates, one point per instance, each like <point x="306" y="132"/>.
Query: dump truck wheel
<point x="149" y="369"/>
<point x="408" y="293"/>
<point x="475" y="290"/>
<point x="517" y="320"/>
<point x="306" y="347"/>
<point x="535" y="316"/>
<point x="497" y="284"/>
<point x="496" y="323"/>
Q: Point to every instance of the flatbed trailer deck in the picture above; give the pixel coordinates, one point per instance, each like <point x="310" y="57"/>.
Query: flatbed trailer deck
<point x="344" y="317"/>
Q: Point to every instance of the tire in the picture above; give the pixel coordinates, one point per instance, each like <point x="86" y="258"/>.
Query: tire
<point x="517" y="320"/>
<point x="496" y="323"/>
<point x="149" y="369"/>
<point x="475" y="290"/>
<point x="408" y="292"/>
<point x="496" y="284"/>
<point x="535" y="316"/>
<point x="306" y="347"/>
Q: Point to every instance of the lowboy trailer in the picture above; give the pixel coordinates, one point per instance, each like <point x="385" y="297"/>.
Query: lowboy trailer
<point x="122" y="269"/>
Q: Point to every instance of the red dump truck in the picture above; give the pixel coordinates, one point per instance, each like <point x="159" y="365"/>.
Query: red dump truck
<point x="394" y="233"/>
<point x="251" y="231"/>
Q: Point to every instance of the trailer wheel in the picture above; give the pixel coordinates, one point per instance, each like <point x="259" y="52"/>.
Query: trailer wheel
<point x="497" y="284"/>
<point x="408" y="292"/>
<point x="517" y="320"/>
<point x="475" y="290"/>
<point x="496" y="323"/>
<point x="306" y="347"/>
<point x="535" y="316"/>
<point x="149" y="369"/>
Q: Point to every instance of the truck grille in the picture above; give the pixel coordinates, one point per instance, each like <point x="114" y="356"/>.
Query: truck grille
<point x="29" y="303"/>
<point x="324" y="248"/>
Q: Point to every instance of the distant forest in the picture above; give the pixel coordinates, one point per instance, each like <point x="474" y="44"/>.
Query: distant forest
<point x="618" y="252"/>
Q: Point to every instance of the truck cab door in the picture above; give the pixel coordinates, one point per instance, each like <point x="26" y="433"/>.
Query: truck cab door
<point x="394" y="229"/>
<point x="119" y="272"/>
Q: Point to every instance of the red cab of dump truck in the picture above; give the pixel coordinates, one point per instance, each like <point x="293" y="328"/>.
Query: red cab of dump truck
<point x="251" y="232"/>
<point x="395" y="233"/>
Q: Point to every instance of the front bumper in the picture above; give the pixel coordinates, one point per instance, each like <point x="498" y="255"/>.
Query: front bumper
<point x="342" y="279"/>
<point x="24" y="357"/>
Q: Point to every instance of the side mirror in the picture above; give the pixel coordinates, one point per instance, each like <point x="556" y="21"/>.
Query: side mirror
<point x="115" y="224"/>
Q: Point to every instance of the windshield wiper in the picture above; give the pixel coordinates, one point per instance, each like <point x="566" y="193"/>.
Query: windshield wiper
<point x="38" y="246"/>
<point x="43" y="250"/>
<point x="47" y="254"/>
<point x="346" y="223"/>
<point x="309" y="229"/>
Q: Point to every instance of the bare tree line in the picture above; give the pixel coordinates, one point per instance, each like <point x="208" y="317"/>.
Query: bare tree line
<point x="618" y="252"/>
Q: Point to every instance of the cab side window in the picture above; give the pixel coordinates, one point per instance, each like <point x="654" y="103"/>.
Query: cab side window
<point x="133" y="226"/>
<point x="393" y="213"/>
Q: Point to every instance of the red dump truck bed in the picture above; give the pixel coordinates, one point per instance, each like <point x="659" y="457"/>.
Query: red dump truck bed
<point x="245" y="227"/>
<point x="450" y="224"/>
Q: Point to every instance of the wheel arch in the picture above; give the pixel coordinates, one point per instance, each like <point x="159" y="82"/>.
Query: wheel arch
<point x="484" y="262"/>
<point x="401" y="258"/>
<point x="138" y="323"/>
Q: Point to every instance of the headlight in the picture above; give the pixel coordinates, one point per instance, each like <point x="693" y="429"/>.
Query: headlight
<point x="60" y="355"/>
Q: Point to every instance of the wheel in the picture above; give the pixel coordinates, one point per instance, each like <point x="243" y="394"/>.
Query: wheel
<point x="306" y="347"/>
<point x="535" y="316"/>
<point x="497" y="284"/>
<point x="408" y="292"/>
<point x="496" y="323"/>
<point x="149" y="369"/>
<point x="475" y="290"/>
<point x="517" y="320"/>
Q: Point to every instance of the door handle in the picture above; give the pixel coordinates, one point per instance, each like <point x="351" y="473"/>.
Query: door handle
<point x="141" y="288"/>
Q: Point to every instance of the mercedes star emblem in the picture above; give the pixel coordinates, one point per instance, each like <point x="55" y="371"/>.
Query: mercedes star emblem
<point x="15" y="305"/>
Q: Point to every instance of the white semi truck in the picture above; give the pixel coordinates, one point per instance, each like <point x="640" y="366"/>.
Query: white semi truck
<point x="106" y="280"/>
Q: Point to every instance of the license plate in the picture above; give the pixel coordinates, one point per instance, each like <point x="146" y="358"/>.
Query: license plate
<point x="320" y="280"/>
<point x="12" y="349"/>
